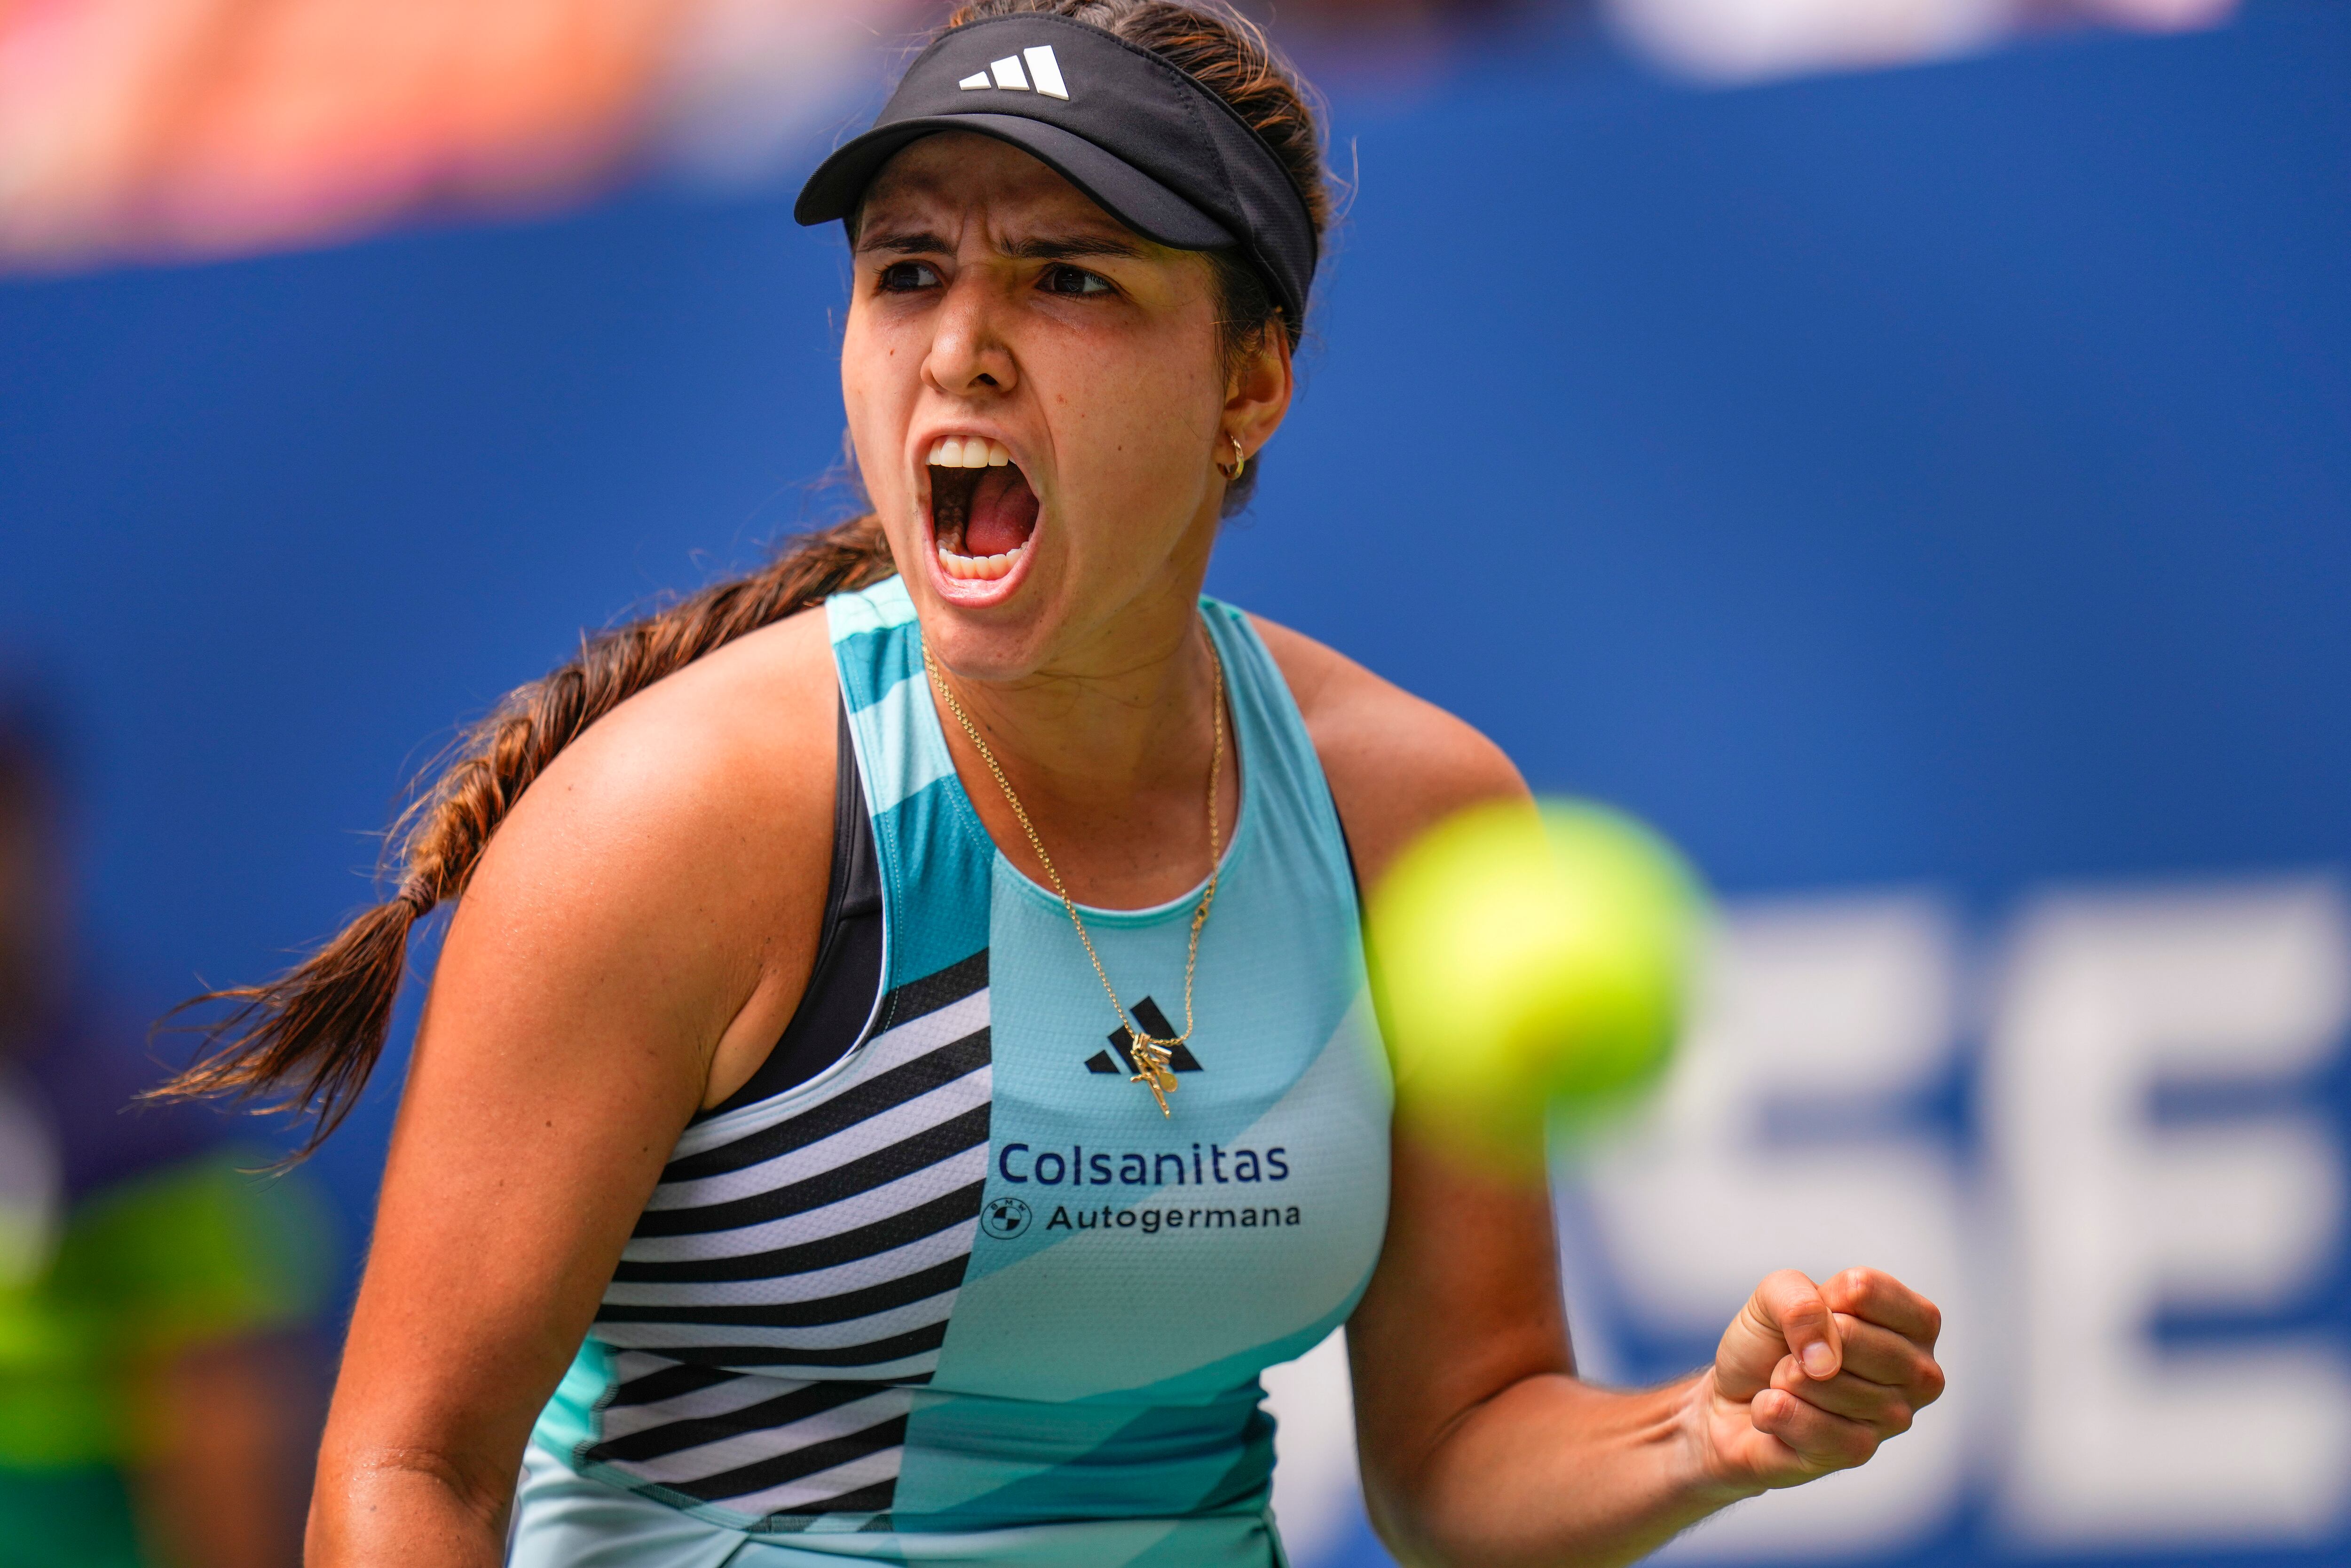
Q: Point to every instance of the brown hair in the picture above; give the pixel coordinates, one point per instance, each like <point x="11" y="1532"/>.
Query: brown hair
<point x="312" y="1037"/>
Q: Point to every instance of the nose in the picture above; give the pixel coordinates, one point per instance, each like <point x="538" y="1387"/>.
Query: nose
<point x="967" y="356"/>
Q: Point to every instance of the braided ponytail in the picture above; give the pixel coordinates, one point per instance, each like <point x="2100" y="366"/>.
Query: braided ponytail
<point x="309" y="1039"/>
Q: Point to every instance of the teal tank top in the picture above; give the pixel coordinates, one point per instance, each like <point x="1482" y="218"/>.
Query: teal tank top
<point x="966" y="1296"/>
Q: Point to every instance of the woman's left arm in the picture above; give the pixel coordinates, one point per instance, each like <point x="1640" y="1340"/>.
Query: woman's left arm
<point x="1479" y="1445"/>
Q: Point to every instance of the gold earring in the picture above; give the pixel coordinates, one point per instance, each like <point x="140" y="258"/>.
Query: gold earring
<point x="1240" y="461"/>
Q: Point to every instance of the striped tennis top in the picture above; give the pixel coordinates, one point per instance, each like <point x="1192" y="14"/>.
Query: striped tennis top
<point x="964" y="1294"/>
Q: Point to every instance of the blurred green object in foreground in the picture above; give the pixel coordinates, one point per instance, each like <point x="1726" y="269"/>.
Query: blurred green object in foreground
<point x="1533" y="963"/>
<point x="80" y="1517"/>
<point x="194" y="1254"/>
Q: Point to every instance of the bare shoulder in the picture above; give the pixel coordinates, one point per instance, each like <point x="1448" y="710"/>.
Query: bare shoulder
<point x="700" y="762"/>
<point x="665" y="876"/>
<point x="1397" y="765"/>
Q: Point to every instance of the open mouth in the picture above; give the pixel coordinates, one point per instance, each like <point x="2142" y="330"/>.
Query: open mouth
<point x="982" y="509"/>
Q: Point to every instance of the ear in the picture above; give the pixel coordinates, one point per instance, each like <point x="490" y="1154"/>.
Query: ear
<point x="1258" y="395"/>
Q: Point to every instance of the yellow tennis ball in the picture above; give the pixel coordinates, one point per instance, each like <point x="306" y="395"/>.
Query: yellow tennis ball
<point x="1529" y="961"/>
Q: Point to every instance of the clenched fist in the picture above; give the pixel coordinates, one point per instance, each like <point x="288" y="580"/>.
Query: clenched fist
<point x="1811" y="1378"/>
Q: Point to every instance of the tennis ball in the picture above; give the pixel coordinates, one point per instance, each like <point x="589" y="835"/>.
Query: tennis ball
<point x="1530" y="962"/>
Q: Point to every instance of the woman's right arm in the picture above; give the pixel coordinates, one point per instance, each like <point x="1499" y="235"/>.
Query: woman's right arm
<point x="637" y="932"/>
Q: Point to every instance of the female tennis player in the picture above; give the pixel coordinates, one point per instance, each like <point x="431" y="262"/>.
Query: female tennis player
<point x="901" y="1063"/>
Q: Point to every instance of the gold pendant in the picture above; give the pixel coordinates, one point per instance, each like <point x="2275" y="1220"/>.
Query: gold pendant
<point x="1150" y="1059"/>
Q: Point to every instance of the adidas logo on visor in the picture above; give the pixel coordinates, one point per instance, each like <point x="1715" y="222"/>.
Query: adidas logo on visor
<point x="1043" y="75"/>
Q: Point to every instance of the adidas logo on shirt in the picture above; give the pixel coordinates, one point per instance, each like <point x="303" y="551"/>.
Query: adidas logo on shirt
<point x="1146" y="1013"/>
<point x="1043" y="75"/>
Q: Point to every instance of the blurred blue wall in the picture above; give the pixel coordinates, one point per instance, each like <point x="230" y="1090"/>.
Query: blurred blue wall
<point x="1933" y="478"/>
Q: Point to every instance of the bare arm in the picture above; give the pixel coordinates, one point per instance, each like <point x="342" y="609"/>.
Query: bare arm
<point x="638" y="932"/>
<point x="1479" y="1445"/>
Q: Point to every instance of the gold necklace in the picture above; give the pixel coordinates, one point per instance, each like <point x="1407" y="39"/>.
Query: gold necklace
<point x="1151" y="1057"/>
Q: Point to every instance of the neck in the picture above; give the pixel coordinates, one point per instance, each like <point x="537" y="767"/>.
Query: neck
<point x="1112" y="720"/>
<point x="1108" y="748"/>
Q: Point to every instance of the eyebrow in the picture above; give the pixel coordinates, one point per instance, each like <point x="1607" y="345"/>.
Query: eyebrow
<point x="1064" y="248"/>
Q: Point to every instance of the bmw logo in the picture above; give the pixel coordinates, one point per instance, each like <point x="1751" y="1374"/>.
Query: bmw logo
<point x="1003" y="1217"/>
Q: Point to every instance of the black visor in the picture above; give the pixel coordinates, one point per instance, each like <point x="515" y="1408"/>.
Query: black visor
<point x="1148" y="143"/>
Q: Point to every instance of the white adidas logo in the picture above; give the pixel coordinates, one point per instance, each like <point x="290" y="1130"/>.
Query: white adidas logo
<point x="1043" y="75"/>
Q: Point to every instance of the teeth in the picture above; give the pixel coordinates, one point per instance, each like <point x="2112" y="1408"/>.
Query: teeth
<point x="967" y="452"/>
<point x="979" y="568"/>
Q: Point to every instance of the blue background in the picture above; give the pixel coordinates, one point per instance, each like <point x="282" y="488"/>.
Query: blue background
<point x="1934" y="476"/>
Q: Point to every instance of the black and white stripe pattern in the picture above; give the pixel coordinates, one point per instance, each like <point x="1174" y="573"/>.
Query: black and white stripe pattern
<point x="795" y="1269"/>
